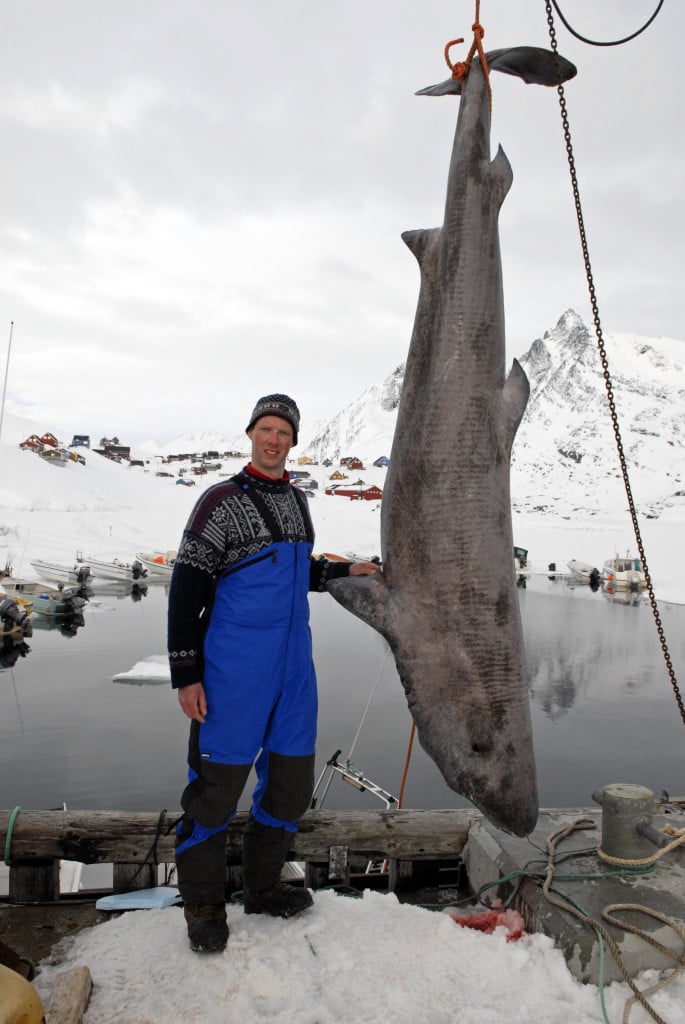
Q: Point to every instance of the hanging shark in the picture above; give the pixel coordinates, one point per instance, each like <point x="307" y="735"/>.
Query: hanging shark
<point x="446" y="599"/>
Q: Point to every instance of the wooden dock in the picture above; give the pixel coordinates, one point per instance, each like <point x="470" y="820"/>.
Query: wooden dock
<point x="425" y="850"/>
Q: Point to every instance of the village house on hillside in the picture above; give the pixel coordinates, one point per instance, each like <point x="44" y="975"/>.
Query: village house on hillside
<point x="36" y="444"/>
<point x="32" y="443"/>
<point x="382" y="460"/>
<point x="113" y="450"/>
<point x="356" y="492"/>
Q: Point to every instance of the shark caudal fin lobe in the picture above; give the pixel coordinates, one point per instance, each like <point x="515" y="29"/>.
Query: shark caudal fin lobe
<point x="367" y="597"/>
<point x="533" y="64"/>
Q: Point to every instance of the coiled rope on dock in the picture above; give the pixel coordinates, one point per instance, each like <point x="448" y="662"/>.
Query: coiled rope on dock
<point x="565" y="903"/>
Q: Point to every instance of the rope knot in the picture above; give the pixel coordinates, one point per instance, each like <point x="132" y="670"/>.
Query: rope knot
<point x="460" y="69"/>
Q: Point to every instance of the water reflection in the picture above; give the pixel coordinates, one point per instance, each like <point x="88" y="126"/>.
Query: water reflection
<point x="601" y="701"/>
<point x="12" y="648"/>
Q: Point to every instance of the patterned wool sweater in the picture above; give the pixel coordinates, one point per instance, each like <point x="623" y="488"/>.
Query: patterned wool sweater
<point x="232" y="520"/>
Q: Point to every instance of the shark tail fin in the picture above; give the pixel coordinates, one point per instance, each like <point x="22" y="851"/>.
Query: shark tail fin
<point x="533" y="64"/>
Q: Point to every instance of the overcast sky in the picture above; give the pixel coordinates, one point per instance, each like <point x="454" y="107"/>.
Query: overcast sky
<point x="201" y="201"/>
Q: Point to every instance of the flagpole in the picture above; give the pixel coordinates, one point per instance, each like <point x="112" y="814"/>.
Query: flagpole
<point x="7" y="367"/>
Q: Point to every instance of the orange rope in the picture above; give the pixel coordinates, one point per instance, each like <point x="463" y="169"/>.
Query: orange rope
<point x="406" y="764"/>
<point x="461" y="68"/>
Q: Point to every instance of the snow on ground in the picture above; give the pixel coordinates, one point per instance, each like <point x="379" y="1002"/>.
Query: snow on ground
<point x="369" y="959"/>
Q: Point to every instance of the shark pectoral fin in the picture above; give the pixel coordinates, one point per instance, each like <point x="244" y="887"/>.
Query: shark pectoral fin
<point x="515" y="396"/>
<point x="367" y="597"/>
<point x="535" y="65"/>
<point x="420" y="241"/>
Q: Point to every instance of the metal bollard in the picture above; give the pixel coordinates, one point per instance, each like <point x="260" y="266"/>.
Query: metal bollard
<point x="627" y="809"/>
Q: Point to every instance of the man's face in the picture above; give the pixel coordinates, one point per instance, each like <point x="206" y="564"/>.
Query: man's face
<point x="272" y="439"/>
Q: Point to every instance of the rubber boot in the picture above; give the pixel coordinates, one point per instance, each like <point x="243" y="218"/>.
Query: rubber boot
<point x="264" y="853"/>
<point x="207" y="927"/>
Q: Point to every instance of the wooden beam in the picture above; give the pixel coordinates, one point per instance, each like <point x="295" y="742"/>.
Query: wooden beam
<point x="126" y="837"/>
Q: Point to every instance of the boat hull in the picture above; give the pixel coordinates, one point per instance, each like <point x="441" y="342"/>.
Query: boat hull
<point x="77" y="576"/>
<point x="116" y="570"/>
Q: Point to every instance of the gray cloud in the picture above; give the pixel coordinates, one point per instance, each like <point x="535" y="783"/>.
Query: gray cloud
<point x="202" y="202"/>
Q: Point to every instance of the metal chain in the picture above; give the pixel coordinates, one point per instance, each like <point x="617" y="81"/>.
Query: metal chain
<point x="605" y="366"/>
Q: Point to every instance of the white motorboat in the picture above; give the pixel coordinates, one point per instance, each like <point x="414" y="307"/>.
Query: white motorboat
<point x="583" y="572"/>
<point x="158" y="563"/>
<point x="115" y="569"/>
<point x="75" y="576"/>
<point x="626" y="573"/>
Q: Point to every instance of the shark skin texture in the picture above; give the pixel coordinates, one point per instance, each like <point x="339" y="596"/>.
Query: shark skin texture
<point x="446" y="599"/>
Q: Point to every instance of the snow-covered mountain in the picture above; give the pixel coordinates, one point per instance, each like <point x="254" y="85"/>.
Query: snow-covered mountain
<point x="565" y="455"/>
<point x="566" y="443"/>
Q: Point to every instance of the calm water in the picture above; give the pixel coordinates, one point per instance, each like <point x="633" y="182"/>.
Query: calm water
<point x="602" y="704"/>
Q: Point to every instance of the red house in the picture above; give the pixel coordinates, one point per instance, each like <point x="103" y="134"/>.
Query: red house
<point x="33" y="443"/>
<point x="371" y="493"/>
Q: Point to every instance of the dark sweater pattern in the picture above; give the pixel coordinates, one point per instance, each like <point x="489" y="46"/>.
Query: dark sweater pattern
<point x="225" y="527"/>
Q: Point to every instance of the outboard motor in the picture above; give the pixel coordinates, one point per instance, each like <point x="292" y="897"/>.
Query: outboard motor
<point x="72" y="600"/>
<point x="138" y="570"/>
<point x="10" y="611"/>
<point x="83" y="575"/>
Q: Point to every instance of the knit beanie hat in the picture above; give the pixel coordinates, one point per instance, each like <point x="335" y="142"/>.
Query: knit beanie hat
<point x="277" y="405"/>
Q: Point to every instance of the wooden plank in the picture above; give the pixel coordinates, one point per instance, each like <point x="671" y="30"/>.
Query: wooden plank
<point x="69" y="997"/>
<point x="34" y="881"/>
<point x="113" y="837"/>
<point x="129" y="877"/>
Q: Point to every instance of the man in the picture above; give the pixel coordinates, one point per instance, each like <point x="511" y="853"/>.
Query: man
<point x="240" y="653"/>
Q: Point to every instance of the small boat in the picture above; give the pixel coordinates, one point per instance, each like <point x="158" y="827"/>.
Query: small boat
<point x="116" y="569"/>
<point x="15" y="585"/>
<point x="522" y="566"/>
<point x="583" y="572"/>
<point x="624" y="573"/>
<point x="158" y="563"/>
<point x="75" y="575"/>
<point x="51" y="601"/>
